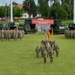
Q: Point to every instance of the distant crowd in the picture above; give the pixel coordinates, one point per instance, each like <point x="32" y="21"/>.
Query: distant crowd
<point x="11" y="34"/>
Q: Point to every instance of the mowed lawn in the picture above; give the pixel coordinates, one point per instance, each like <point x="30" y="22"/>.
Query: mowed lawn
<point x="18" y="57"/>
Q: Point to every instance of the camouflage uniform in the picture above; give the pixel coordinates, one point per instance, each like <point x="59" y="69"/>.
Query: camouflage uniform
<point x="8" y="35"/>
<point x="51" y="53"/>
<point x="23" y="33"/>
<point x="44" y="52"/>
<point x="2" y="35"/>
<point x="5" y="34"/>
<point x="56" y="49"/>
<point x="37" y="51"/>
<point x="20" y="34"/>
<point x="45" y="55"/>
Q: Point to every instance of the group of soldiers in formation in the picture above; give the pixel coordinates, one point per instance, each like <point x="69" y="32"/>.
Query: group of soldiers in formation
<point x="11" y="34"/>
<point x="70" y="34"/>
<point x="47" y="49"/>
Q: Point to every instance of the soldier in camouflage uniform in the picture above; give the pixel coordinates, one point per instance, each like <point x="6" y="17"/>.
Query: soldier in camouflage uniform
<point x="51" y="53"/>
<point x="56" y="48"/>
<point x="44" y="52"/>
<point x="20" y="34"/>
<point x="67" y="33"/>
<point x="45" y="55"/>
<point x="47" y="46"/>
<point x="50" y="50"/>
<point x="2" y="35"/>
<point x="42" y="47"/>
<point x="15" y="35"/>
<point x="9" y="34"/>
<point x="37" y="51"/>
<point x="23" y="33"/>
<point x="5" y="34"/>
<point x="74" y="34"/>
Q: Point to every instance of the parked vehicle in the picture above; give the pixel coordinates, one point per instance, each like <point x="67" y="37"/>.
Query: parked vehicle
<point x="71" y="26"/>
<point x="58" y="28"/>
<point x="29" y="27"/>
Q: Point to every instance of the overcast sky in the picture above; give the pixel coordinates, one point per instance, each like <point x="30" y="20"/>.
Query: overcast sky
<point x="3" y="2"/>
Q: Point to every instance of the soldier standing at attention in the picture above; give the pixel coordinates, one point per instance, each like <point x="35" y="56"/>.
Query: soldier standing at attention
<point x="37" y="51"/>
<point x="52" y="34"/>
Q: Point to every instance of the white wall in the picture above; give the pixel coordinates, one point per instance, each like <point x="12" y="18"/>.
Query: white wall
<point x="25" y="15"/>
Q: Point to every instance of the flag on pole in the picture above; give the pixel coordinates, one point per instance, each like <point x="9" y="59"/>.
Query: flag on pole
<point x="52" y="34"/>
<point x="49" y="35"/>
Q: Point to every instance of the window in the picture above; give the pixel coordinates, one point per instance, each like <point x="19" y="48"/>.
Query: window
<point x="25" y="15"/>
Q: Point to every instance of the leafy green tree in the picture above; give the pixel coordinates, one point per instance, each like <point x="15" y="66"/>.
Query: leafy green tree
<point x="72" y="1"/>
<point x="58" y="12"/>
<point x="69" y="4"/>
<point x="26" y="5"/>
<point x="43" y="7"/>
<point x="2" y="11"/>
<point x="66" y="7"/>
<point x="33" y="8"/>
<point x="30" y="7"/>
<point x="14" y="3"/>
<point x="17" y="12"/>
<point x="68" y="1"/>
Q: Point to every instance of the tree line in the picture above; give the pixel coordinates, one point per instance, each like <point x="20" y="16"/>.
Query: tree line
<point x="60" y="9"/>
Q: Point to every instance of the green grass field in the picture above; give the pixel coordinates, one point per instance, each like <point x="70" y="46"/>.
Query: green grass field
<point x="67" y="22"/>
<point x="18" y="57"/>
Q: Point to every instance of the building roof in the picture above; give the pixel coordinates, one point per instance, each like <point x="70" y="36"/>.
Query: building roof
<point x="20" y="6"/>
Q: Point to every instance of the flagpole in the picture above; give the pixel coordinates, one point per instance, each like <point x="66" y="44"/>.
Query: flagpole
<point x="52" y="33"/>
<point x="74" y="13"/>
<point x="11" y="13"/>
